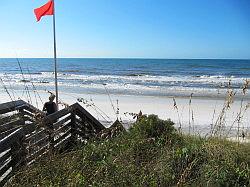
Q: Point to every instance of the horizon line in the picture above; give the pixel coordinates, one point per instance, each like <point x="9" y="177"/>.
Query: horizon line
<point x="142" y="58"/>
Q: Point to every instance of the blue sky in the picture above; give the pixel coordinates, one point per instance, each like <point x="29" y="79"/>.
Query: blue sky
<point x="128" y="28"/>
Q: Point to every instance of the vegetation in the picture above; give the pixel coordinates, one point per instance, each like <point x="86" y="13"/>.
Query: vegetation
<point x="151" y="153"/>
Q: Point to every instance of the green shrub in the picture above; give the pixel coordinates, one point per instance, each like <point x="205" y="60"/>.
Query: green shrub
<point x="153" y="127"/>
<point x="151" y="153"/>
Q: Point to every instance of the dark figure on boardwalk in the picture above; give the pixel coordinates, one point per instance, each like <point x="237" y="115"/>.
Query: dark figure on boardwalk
<point x="139" y="115"/>
<point x="50" y="107"/>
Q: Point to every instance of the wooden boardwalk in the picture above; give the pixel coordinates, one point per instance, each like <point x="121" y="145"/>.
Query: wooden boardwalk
<point x="26" y="136"/>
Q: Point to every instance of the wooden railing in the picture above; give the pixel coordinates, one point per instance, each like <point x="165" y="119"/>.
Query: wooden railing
<point x="25" y="136"/>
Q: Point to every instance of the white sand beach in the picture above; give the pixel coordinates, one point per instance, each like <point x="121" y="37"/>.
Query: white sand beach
<point x="205" y="110"/>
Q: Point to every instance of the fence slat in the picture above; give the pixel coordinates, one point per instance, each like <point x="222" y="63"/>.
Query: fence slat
<point x="40" y="142"/>
<point x="59" y="123"/>
<point x="38" y="153"/>
<point x="63" y="127"/>
<point x="10" y="125"/>
<point x="31" y="108"/>
<point x="5" y="168"/>
<point x="10" y="106"/>
<point x="55" y="116"/>
<point x="84" y="113"/>
<point x="6" y="178"/>
<point x="6" y="142"/>
<point x="8" y="132"/>
<point x="85" y="128"/>
<point x="36" y="136"/>
<point x="5" y="157"/>
<point x="82" y="134"/>
<point x="61" y="138"/>
<point x="28" y="114"/>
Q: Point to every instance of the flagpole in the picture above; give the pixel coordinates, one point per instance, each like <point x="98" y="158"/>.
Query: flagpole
<point x="55" y="58"/>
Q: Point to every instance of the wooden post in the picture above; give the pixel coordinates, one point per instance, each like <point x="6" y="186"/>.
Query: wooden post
<point x="51" y="137"/>
<point x="21" y="112"/>
<point x="73" y="138"/>
<point x="18" y="150"/>
<point x="18" y="153"/>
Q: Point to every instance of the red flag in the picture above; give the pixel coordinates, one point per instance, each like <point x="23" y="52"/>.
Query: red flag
<point x="47" y="9"/>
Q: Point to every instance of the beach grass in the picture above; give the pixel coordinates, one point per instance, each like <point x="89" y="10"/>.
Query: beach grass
<point x="151" y="153"/>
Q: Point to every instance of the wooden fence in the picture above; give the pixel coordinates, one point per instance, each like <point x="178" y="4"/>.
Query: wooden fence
<point x="25" y="135"/>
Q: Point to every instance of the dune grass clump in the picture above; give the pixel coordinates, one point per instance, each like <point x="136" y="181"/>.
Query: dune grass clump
<point x="151" y="153"/>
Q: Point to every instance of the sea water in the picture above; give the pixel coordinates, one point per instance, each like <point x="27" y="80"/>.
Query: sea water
<point x="152" y="77"/>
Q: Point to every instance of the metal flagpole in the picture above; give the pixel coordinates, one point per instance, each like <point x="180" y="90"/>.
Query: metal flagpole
<point x="55" y="60"/>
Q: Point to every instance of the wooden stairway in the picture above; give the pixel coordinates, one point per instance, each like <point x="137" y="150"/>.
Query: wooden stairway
<point x="25" y="135"/>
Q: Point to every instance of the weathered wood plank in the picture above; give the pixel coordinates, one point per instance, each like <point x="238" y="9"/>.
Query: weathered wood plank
<point x="51" y="137"/>
<point x="87" y="132"/>
<point x="6" y="142"/>
<point x="6" y="119"/>
<point x="27" y="118"/>
<point x="5" y="157"/>
<point x="32" y="160"/>
<point x="11" y="124"/>
<point x="61" y="123"/>
<point x="82" y="134"/>
<point x="6" y="178"/>
<point x="55" y="116"/>
<point x="33" y="150"/>
<point x="9" y="118"/>
<point x="8" y="132"/>
<point x="73" y="138"/>
<point x="18" y="153"/>
<point x="91" y="127"/>
<point x="63" y="144"/>
<point x="36" y="154"/>
<point x="30" y="108"/>
<point x="62" y="129"/>
<point x="85" y="129"/>
<point x="84" y="112"/>
<point x="10" y="106"/>
<point x="6" y="167"/>
<point x="36" y="134"/>
<point x="39" y="143"/>
<point x="29" y="114"/>
<point x="79" y="121"/>
<point x="29" y="128"/>
<point x="62" y="137"/>
<point x="82" y="128"/>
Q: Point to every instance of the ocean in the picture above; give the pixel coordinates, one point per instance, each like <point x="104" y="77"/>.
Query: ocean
<point x="152" y="77"/>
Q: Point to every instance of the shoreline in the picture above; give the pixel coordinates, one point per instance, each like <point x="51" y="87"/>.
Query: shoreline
<point x="205" y="110"/>
<point x="198" y="93"/>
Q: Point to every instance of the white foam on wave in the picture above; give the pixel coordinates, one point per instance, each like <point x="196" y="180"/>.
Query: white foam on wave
<point x="137" y="84"/>
<point x="161" y="79"/>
